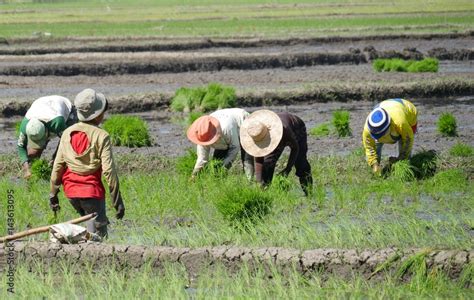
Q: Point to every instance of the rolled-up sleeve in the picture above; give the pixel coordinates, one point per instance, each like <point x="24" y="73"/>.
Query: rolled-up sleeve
<point x="109" y="171"/>
<point x="202" y="158"/>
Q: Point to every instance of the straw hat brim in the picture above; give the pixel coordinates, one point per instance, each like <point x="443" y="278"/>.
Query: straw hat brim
<point x="275" y="133"/>
<point x="192" y="132"/>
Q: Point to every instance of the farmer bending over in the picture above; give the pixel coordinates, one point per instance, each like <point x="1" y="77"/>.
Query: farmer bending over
<point x="265" y="134"/>
<point x="84" y="155"/>
<point x="46" y="116"/>
<point x="220" y="131"/>
<point x="391" y="121"/>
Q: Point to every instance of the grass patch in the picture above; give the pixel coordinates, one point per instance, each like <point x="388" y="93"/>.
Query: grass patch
<point x="402" y="170"/>
<point x="447" y="124"/>
<point x="320" y="130"/>
<point x="341" y="122"/>
<point x="424" y="164"/>
<point x="41" y="170"/>
<point x="461" y="150"/>
<point x="204" y="99"/>
<point x="127" y="131"/>
<point x="400" y="65"/>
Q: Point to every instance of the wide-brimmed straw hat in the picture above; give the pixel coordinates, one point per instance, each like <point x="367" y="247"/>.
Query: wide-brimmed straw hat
<point x="261" y="133"/>
<point x="89" y="105"/>
<point x="36" y="133"/>
<point x="378" y="122"/>
<point x="205" y="131"/>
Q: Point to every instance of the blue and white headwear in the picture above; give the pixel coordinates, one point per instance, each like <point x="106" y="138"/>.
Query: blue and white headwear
<point x="378" y="122"/>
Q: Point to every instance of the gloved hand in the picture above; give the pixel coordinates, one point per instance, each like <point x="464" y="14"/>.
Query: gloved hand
<point x="377" y="169"/>
<point x="120" y="211"/>
<point x="26" y="170"/>
<point x="54" y="202"/>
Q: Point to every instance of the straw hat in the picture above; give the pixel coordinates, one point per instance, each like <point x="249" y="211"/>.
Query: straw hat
<point x="89" y="105"/>
<point x="261" y="133"/>
<point x="205" y="131"/>
<point x="36" y="133"/>
<point x="378" y="122"/>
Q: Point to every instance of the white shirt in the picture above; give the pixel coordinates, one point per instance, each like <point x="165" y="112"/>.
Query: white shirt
<point x="230" y="120"/>
<point x="49" y="107"/>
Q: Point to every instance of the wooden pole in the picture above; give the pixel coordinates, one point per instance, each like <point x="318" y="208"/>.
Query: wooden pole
<point x="33" y="231"/>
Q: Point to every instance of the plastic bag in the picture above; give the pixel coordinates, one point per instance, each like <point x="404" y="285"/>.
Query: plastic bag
<point x="71" y="234"/>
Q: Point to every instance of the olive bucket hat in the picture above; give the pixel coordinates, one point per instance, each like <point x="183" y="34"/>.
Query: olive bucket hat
<point x="89" y="105"/>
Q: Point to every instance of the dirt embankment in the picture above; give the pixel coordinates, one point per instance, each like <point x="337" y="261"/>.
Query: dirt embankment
<point x="339" y="262"/>
<point x="364" y="92"/>
<point x="29" y="46"/>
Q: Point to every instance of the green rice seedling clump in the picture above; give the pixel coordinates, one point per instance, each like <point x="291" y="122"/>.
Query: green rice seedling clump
<point x="341" y="122"/>
<point x="41" y="170"/>
<point x="400" y="65"/>
<point x="320" y="130"/>
<point x="447" y="124"/>
<point x="424" y="164"/>
<point x="193" y="116"/>
<point x="425" y="65"/>
<point x="402" y="170"/>
<point x="240" y="204"/>
<point x="281" y="183"/>
<point x="218" y="97"/>
<point x="127" y="131"/>
<point x="187" y="99"/>
<point x="461" y="150"/>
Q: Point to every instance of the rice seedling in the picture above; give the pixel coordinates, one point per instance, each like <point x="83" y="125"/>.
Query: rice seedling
<point x="447" y="124"/>
<point x="400" y="65"/>
<point x="461" y="150"/>
<point x="341" y="120"/>
<point x="217" y="97"/>
<point x="185" y="164"/>
<point x="403" y="171"/>
<point x="241" y="204"/>
<point x="320" y="130"/>
<point x="424" y="164"/>
<point x="127" y="131"/>
<point x="41" y="170"/>
<point x="187" y="99"/>
<point x="281" y="183"/>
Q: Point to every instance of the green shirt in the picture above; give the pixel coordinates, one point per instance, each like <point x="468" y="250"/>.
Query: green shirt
<point x="56" y="126"/>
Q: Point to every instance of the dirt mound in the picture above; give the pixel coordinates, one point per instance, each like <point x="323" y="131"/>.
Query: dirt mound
<point x="140" y="44"/>
<point x="340" y="262"/>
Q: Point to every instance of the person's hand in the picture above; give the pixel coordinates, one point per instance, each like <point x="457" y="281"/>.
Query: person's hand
<point x="54" y="202"/>
<point x="51" y="163"/>
<point x="26" y="170"/>
<point x="377" y="169"/>
<point x="120" y="211"/>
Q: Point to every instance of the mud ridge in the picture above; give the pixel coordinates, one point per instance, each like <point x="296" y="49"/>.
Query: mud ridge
<point x="339" y="262"/>
<point x="179" y="65"/>
<point x="132" y="44"/>
<point x="342" y="93"/>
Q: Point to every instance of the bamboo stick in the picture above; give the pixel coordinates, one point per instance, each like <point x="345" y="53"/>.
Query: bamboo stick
<point x="43" y="228"/>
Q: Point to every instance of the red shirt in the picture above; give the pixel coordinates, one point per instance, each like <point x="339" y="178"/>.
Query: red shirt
<point x="82" y="186"/>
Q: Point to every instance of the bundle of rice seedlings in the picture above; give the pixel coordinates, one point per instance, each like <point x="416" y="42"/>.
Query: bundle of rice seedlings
<point x="218" y="96"/>
<point x="424" y="164"/>
<point x="281" y="183"/>
<point x="402" y="170"/>
<point x="41" y="170"/>
<point x="425" y="65"/>
<point x="461" y="150"/>
<point x="340" y="120"/>
<point x="447" y="124"/>
<point x="240" y="204"/>
<point x="320" y="130"/>
<point x="187" y="99"/>
<point x="127" y="131"/>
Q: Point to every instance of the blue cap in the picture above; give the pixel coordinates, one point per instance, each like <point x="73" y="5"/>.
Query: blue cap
<point x="378" y="122"/>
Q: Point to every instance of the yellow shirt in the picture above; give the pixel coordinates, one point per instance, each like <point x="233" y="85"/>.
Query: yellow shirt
<point x="403" y="115"/>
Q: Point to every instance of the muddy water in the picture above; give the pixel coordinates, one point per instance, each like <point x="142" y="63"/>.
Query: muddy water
<point x="170" y="140"/>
